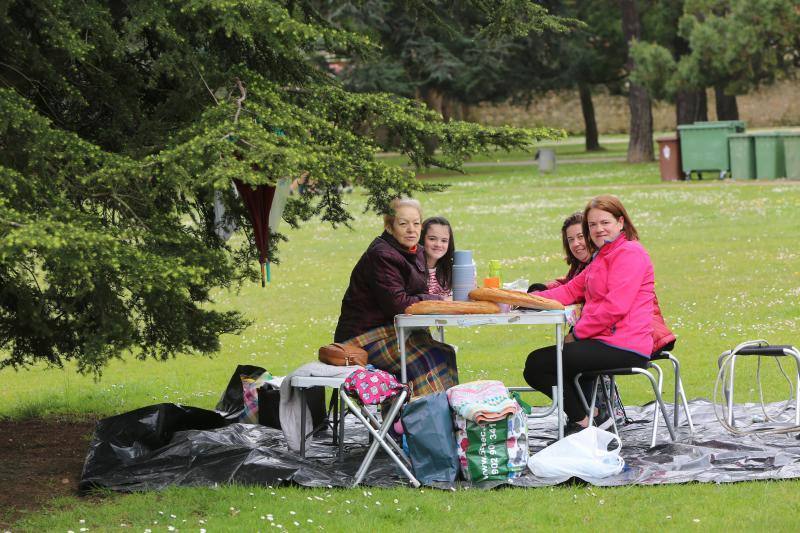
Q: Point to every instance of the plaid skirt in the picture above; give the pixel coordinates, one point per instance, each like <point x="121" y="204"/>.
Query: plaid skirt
<point x="430" y="364"/>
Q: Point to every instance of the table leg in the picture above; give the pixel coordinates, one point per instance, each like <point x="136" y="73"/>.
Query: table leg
<point x="560" y="380"/>
<point x="401" y="340"/>
<point x="303" y="423"/>
<point x="440" y="329"/>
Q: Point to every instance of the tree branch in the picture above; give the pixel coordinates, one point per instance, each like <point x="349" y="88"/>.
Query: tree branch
<point x="207" y="87"/>
<point x="132" y="212"/>
<point x="240" y="100"/>
<point x="12" y="223"/>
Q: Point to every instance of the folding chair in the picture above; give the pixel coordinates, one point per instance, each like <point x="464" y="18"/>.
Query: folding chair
<point x="680" y="395"/>
<point x="380" y="434"/>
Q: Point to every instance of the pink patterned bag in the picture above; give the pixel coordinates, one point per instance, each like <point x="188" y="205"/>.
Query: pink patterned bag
<point x="372" y="387"/>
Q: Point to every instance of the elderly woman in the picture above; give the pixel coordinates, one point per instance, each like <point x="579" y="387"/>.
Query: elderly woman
<point x="390" y="276"/>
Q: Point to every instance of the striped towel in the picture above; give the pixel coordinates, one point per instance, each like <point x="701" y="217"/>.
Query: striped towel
<point x="482" y="401"/>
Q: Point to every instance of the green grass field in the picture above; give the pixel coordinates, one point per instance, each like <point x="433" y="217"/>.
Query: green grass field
<point x="727" y="270"/>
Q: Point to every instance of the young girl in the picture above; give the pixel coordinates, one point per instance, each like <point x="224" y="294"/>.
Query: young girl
<point x="438" y="246"/>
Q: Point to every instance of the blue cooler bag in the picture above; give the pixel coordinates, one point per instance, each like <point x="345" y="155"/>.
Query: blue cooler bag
<point x="429" y="431"/>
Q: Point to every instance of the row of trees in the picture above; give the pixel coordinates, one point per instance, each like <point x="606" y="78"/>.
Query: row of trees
<point x="649" y="49"/>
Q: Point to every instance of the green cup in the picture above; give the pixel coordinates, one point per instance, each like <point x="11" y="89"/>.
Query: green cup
<point x="494" y="268"/>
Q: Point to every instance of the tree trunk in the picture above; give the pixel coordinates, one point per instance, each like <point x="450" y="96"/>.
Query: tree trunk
<point x="640" y="145"/>
<point x="587" y="107"/>
<point x="691" y="106"/>
<point x="726" y="104"/>
<point x="432" y="97"/>
<point x="452" y="109"/>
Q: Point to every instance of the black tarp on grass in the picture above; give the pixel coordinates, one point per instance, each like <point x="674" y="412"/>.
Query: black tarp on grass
<point x="167" y="444"/>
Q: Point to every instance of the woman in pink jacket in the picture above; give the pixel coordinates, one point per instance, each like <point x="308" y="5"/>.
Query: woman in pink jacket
<point x="615" y="328"/>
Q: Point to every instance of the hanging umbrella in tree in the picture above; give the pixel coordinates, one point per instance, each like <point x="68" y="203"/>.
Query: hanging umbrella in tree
<point x="264" y="202"/>
<point x="264" y="205"/>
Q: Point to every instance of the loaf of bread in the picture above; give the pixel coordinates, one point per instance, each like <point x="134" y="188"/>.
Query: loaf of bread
<point x="520" y="299"/>
<point x="440" y="307"/>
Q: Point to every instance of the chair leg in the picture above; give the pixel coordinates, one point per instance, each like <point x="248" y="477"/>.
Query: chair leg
<point x="659" y="401"/>
<point x="656" y="407"/>
<point x="577" y="384"/>
<point x="379" y="438"/>
<point x="794" y="353"/>
<point x="342" y="414"/>
<point x="730" y="389"/>
<point x="590" y="412"/>
<point x="610" y="405"/>
<point x="377" y="424"/>
<point x="680" y="394"/>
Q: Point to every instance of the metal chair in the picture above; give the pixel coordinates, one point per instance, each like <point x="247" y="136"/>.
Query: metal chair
<point x="380" y="434"/>
<point x="761" y="348"/>
<point x="680" y="395"/>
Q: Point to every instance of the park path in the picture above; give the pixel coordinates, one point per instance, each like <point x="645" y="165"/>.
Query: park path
<point x="562" y="161"/>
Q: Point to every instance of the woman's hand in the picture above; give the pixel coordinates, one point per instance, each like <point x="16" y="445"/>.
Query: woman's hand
<point x="569" y="338"/>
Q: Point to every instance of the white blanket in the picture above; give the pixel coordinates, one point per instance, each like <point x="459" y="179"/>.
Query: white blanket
<point x="290" y="407"/>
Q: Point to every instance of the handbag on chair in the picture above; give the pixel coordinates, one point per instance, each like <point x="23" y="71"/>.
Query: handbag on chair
<point x="339" y="354"/>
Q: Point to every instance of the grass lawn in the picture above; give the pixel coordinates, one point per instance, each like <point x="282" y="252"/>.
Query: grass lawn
<point x="727" y="270"/>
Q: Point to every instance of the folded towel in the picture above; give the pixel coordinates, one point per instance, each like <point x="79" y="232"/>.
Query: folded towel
<point x="481" y="401"/>
<point x="483" y="417"/>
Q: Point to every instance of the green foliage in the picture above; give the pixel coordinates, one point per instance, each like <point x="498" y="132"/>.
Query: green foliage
<point x="740" y="43"/>
<point x="735" y="44"/>
<point x="119" y="122"/>
<point x="464" y="52"/>
<point x="655" y="69"/>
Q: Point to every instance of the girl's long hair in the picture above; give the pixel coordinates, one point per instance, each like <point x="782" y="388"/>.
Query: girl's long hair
<point x="444" y="267"/>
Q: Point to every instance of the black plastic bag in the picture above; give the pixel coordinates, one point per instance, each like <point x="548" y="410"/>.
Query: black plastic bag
<point x="231" y="404"/>
<point x="429" y="431"/>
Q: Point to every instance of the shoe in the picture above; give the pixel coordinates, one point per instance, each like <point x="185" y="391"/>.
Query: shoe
<point x="603" y="421"/>
<point x="572" y="427"/>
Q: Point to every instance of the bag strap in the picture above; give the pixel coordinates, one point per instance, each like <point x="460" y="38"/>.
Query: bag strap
<point x="526" y="407"/>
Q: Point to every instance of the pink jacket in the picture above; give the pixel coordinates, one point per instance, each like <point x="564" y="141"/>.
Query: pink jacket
<point x="618" y="288"/>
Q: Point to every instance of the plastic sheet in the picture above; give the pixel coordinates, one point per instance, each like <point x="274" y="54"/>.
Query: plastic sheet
<point x="166" y="444"/>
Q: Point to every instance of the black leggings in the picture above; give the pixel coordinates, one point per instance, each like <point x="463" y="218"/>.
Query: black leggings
<point x="579" y="356"/>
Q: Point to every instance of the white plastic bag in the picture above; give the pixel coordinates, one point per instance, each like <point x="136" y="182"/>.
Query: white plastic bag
<point x="582" y="454"/>
<point x="520" y="284"/>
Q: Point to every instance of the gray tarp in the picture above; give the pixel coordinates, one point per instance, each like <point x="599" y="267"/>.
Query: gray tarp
<point x="166" y="444"/>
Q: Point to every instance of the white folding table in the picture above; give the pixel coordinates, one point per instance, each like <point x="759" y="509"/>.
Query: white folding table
<point x="405" y="323"/>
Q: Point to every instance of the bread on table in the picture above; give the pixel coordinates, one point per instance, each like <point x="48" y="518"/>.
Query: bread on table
<point x="443" y="307"/>
<point x="520" y="299"/>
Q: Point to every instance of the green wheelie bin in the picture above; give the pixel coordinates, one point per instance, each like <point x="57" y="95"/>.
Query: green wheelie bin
<point x="704" y="146"/>
<point x="791" y="152"/>
<point x="743" y="156"/>
<point x="770" y="163"/>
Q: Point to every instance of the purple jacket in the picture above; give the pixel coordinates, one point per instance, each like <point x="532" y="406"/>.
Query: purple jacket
<point x="618" y="288"/>
<point x="387" y="279"/>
